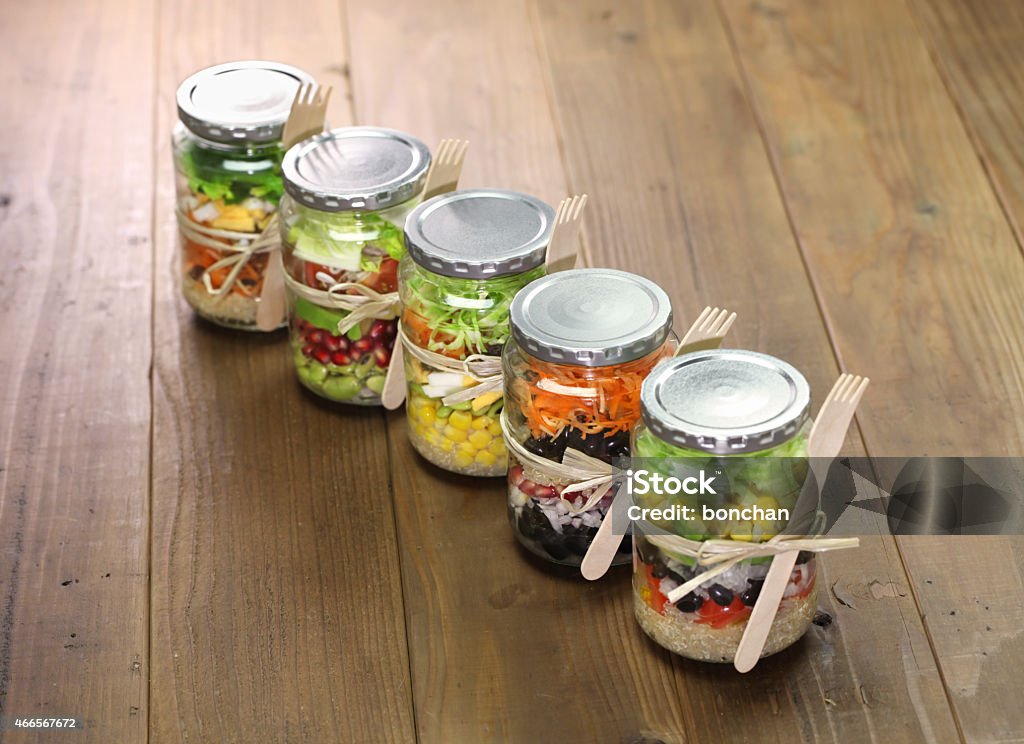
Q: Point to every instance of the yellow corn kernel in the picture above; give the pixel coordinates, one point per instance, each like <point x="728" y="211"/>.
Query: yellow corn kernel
<point x="240" y="224"/>
<point x="486" y="458"/>
<point x="434" y="438"/>
<point x="494" y="429"/>
<point x="427" y="414"/>
<point x="480" y="439"/>
<point x="460" y="420"/>
<point x="496" y="447"/>
<point x="481" y="422"/>
<point x="463" y="460"/>
<point x="447" y="445"/>
<point x="456" y="435"/>
<point x="466" y="448"/>
<point x="481" y="402"/>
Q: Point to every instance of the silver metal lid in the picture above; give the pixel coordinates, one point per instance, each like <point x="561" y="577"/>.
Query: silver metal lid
<point x="356" y="168"/>
<point x="725" y="401"/>
<point x="240" y="102"/>
<point x="591" y="317"/>
<point x="479" y="233"/>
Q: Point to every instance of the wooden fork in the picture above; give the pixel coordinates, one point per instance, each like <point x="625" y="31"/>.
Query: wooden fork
<point x="306" y="118"/>
<point x="826" y="439"/>
<point x="446" y="167"/>
<point x="308" y="114"/>
<point x="707" y="331"/>
<point x="562" y="251"/>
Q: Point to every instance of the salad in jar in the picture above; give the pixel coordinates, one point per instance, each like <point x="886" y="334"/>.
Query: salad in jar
<point x="743" y="418"/>
<point x="227" y="155"/>
<point x="583" y="342"/>
<point x="470" y="252"/>
<point x="349" y="192"/>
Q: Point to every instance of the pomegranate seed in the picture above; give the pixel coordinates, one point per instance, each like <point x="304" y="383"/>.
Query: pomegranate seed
<point x="331" y="343"/>
<point x="322" y="355"/>
<point x="363" y="344"/>
<point x="382" y="355"/>
<point x="316" y="337"/>
<point x="391" y="329"/>
<point x="342" y="343"/>
<point x="377" y="330"/>
<point x="340" y="358"/>
<point x="308" y="349"/>
<point x="355" y="353"/>
<point x="527" y="486"/>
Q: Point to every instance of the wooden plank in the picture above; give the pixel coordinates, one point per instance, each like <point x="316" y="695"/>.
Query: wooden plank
<point x="658" y="129"/>
<point x="977" y="48"/>
<point x="74" y="365"/>
<point x="276" y="607"/>
<point x="502" y="647"/>
<point x="920" y="279"/>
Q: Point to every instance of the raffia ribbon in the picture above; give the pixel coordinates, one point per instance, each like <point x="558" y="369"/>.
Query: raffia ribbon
<point x="238" y="254"/>
<point x="483" y="368"/>
<point x="366" y="304"/>
<point x="721" y="554"/>
<point x="585" y="471"/>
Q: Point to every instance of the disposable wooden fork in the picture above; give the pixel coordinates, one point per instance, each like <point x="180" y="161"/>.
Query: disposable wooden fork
<point x="445" y="168"/>
<point x="826" y="439"/>
<point x="562" y="249"/>
<point x="707" y="332"/>
<point x="306" y="118"/>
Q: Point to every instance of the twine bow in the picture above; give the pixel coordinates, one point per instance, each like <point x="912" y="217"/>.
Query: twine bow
<point x="241" y="248"/>
<point x="585" y="471"/>
<point x="366" y="304"/>
<point x="722" y="554"/>
<point x="484" y="369"/>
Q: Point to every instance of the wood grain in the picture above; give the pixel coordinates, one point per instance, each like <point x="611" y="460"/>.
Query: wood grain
<point x="977" y="48"/>
<point x="74" y="367"/>
<point x="503" y="649"/>
<point x="276" y="606"/>
<point x="690" y="198"/>
<point x="920" y="278"/>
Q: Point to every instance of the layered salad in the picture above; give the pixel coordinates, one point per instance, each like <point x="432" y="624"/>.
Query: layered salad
<point x="322" y="250"/>
<point x="456" y="318"/>
<point x="226" y="196"/>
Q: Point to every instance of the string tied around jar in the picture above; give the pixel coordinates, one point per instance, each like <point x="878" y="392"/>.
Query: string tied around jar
<point x="720" y="554"/>
<point x="241" y="248"/>
<point x="584" y="471"/>
<point x="483" y="370"/>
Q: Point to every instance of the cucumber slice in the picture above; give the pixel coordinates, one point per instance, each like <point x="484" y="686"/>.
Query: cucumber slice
<point x="320" y="317"/>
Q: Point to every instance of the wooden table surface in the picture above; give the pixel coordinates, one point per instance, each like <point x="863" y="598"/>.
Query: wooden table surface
<point x="194" y="550"/>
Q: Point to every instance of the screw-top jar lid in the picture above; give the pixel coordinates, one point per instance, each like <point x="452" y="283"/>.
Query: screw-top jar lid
<point x="725" y="401"/>
<point x="356" y="168"/>
<point x="479" y="233"/>
<point x="245" y="101"/>
<point x="591" y="317"/>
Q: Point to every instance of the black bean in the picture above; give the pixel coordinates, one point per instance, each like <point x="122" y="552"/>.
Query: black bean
<point x="659" y="570"/>
<point x="720" y="594"/>
<point x="555" y="548"/>
<point x="749" y="597"/>
<point x="578" y="544"/>
<point x="690" y="603"/>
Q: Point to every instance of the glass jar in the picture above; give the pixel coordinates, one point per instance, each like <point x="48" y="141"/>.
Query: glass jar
<point x="744" y="416"/>
<point x="470" y="252"/>
<point x="349" y="192"/>
<point x="582" y="343"/>
<point x="227" y="158"/>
